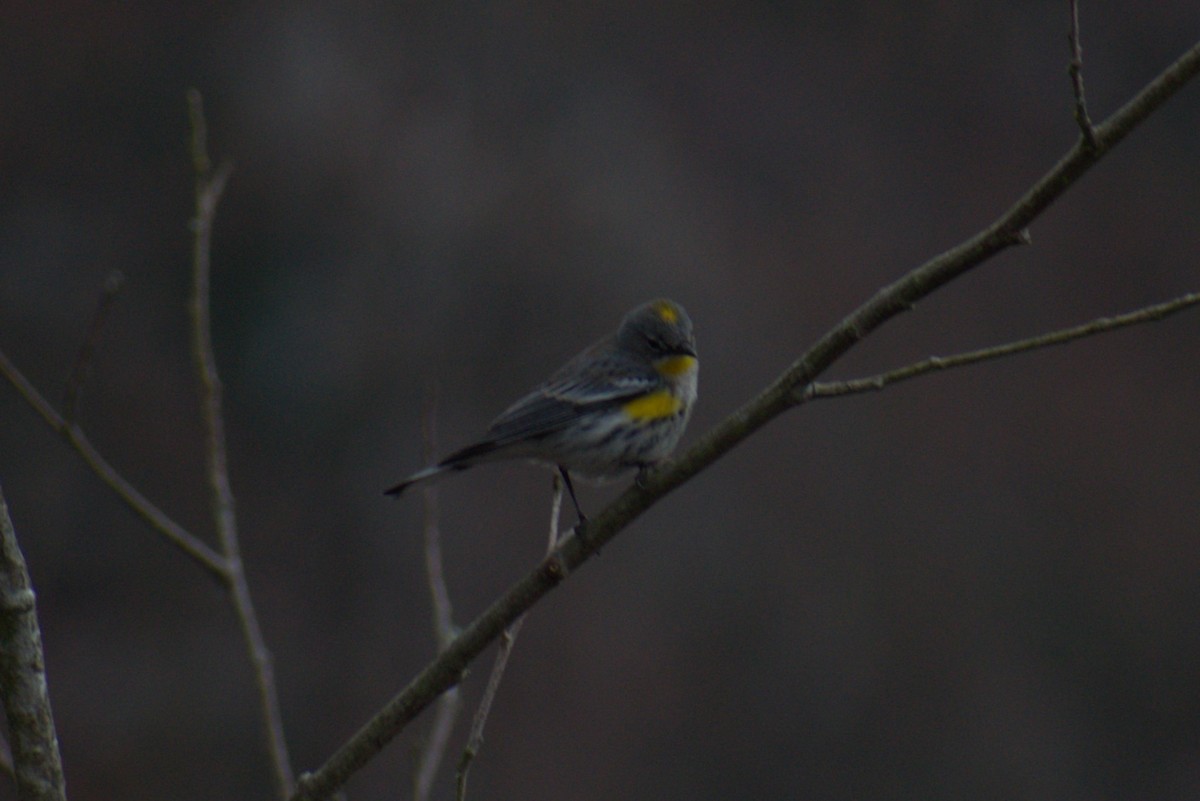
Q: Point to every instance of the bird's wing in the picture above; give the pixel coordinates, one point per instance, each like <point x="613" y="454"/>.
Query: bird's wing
<point x="572" y="390"/>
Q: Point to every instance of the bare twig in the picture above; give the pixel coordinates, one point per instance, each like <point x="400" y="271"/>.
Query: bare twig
<point x="783" y="394"/>
<point x="209" y="187"/>
<point x="443" y="611"/>
<point x="934" y="363"/>
<point x="212" y="562"/>
<point x="434" y="748"/>
<point x="1075" y="70"/>
<point x="507" y="640"/>
<point x="87" y="350"/>
<point x="36" y="762"/>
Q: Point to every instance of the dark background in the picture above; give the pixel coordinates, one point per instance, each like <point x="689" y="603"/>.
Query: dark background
<point x="981" y="584"/>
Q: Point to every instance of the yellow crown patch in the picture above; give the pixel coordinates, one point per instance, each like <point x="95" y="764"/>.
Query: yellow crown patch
<point x="667" y="313"/>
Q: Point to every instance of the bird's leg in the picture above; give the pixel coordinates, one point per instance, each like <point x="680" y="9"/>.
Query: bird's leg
<point x="643" y="473"/>
<point x="566" y="477"/>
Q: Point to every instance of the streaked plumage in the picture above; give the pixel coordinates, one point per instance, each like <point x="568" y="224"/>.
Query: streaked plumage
<point x="621" y="404"/>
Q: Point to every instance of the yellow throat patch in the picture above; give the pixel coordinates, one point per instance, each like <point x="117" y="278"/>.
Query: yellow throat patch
<point x="673" y="366"/>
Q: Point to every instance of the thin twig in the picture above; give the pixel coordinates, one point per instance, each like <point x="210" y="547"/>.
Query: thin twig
<point x="36" y="761"/>
<point x="212" y="562"/>
<point x="434" y="748"/>
<point x="780" y="396"/>
<point x="209" y="187"/>
<point x="1075" y="70"/>
<point x="443" y="611"/>
<point x="1101" y="325"/>
<point x="87" y="350"/>
<point x="507" y="640"/>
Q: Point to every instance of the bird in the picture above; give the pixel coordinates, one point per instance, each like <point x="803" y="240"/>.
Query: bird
<point x="620" y="405"/>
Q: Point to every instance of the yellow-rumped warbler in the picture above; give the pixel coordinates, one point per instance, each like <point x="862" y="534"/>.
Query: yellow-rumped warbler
<point x="619" y="405"/>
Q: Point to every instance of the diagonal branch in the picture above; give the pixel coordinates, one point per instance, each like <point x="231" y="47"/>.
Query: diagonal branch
<point x="1061" y="337"/>
<point x="784" y="393"/>
<point x="507" y="641"/>
<point x="209" y="187"/>
<point x="212" y="562"/>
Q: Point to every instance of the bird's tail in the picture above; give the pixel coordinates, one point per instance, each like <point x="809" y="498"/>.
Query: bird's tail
<point x="417" y="477"/>
<point x="459" y="460"/>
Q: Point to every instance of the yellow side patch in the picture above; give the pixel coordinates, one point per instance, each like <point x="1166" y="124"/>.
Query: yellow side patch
<point x="654" y="406"/>
<point x="675" y="365"/>
<point x="668" y="313"/>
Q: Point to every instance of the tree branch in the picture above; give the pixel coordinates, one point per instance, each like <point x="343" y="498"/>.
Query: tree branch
<point x="786" y="392"/>
<point x="1061" y="337"/>
<point x="1075" y="70"/>
<point x="212" y="562"/>
<point x="444" y="630"/>
<point x="87" y="350"/>
<point x="209" y="187"/>
<point x="36" y="761"/>
<point x="508" y="640"/>
<point x="430" y="756"/>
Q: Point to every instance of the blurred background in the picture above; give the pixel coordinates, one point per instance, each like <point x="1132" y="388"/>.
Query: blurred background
<point x="981" y="584"/>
